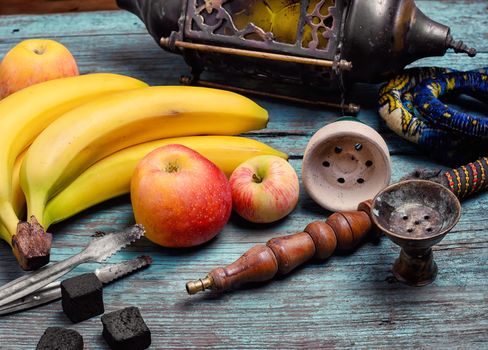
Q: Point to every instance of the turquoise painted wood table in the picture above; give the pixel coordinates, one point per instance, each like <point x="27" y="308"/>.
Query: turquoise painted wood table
<point x="348" y="301"/>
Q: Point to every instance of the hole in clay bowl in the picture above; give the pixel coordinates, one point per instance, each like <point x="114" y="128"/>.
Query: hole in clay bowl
<point x="341" y="180"/>
<point x="369" y="163"/>
<point x="429" y="229"/>
<point x="427" y="217"/>
<point x="417" y="222"/>
<point x="338" y="149"/>
<point x="405" y="217"/>
<point x="410" y="230"/>
<point x="326" y="164"/>
<point x="360" y="181"/>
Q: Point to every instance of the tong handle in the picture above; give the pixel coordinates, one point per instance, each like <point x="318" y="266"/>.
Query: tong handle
<point x="34" y="281"/>
<point x="46" y="294"/>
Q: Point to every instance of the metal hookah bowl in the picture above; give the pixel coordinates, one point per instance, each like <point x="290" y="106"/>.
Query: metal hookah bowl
<point x="416" y="215"/>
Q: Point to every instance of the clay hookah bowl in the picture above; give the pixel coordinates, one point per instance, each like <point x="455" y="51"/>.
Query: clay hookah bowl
<point x="345" y="163"/>
<point x="416" y="215"/>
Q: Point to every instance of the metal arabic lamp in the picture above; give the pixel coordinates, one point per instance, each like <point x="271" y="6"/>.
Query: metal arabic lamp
<point x="319" y="47"/>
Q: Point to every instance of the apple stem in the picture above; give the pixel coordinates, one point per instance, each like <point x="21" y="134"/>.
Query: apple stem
<point x="172" y="168"/>
<point x="39" y="50"/>
<point x="256" y="178"/>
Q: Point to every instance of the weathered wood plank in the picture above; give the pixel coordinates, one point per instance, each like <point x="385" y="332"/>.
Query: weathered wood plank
<point x="343" y="303"/>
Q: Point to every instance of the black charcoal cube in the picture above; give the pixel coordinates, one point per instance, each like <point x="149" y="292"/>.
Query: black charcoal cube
<point x="55" y="338"/>
<point x="82" y="297"/>
<point x="126" y="330"/>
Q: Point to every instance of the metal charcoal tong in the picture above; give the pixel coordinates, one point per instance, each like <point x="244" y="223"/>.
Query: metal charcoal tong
<point x="52" y="291"/>
<point x="98" y="250"/>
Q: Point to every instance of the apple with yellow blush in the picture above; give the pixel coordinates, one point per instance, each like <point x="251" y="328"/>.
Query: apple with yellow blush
<point x="34" y="61"/>
<point x="264" y="189"/>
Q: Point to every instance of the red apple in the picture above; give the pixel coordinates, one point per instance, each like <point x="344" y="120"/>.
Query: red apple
<point x="180" y="197"/>
<point x="34" y="61"/>
<point x="264" y="189"/>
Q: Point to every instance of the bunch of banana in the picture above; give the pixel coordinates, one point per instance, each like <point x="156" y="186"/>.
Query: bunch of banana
<point x="23" y="116"/>
<point x="85" y="154"/>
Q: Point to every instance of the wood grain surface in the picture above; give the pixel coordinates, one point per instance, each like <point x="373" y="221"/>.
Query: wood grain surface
<point x="349" y="301"/>
<point x="12" y="7"/>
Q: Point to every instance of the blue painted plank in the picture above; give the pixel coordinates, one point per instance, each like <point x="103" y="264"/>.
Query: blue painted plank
<point x="342" y="303"/>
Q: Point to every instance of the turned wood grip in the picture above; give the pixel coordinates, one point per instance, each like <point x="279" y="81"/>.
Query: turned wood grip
<point x="292" y="251"/>
<point x="350" y="228"/>
<point x="324" y="238"/>
<point x="256" y="265"/>
<point x="341" y="231"/>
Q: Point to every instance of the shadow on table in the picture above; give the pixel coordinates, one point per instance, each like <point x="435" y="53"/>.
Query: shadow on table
<point x="8" y="260"/>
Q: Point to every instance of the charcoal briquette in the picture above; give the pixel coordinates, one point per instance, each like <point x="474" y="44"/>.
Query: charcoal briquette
<point x="82" y="297"/>
<point x="126" y="330"/>
<point x="56" y="338"/>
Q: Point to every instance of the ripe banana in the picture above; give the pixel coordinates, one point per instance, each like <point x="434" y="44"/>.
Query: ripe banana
<point x="110" y="123"/>
<point x="111" y="176"/>
<point x="18" y="198"/>
<point x="27" y="112"/>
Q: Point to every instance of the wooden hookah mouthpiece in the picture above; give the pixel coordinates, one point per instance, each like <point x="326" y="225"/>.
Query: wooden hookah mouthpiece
<point x="342" y="231"/>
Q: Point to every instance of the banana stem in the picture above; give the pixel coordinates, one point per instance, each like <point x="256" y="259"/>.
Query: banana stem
<point x="48" y="220"/>
<point x="35" y="208"/>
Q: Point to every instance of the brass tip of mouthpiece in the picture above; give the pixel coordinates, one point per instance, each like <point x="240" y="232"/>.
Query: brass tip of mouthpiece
<point x="193" y="287"/>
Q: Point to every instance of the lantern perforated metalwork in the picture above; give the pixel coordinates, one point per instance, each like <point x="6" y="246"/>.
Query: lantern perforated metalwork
<point x="271" y="47"/>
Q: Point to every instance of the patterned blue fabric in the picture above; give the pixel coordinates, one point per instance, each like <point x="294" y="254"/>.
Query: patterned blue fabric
<point x="410" y="106"/>
<point x="426" y="100"/>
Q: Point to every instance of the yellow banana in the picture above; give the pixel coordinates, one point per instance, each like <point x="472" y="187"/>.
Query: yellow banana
<point x="110" y="177"/>
<point x="110" y="123"/>
<point x="18" y="198"/>
<point x="24" y="114"/>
